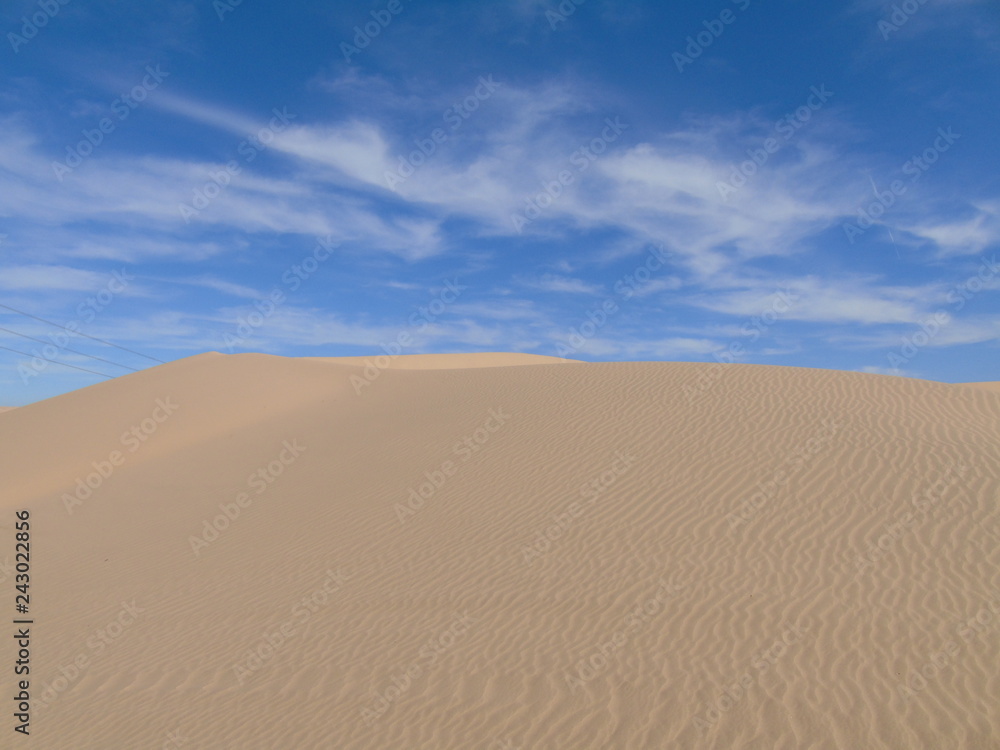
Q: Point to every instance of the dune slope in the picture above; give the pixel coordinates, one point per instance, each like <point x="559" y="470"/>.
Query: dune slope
<point x="561" y="555"/>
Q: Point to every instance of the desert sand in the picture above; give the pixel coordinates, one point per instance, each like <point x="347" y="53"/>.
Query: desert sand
<point x="450" y="553"/>
<point x="988" y="386"/>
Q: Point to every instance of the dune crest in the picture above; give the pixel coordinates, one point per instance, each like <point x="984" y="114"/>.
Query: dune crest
<point x="449" y="361"/>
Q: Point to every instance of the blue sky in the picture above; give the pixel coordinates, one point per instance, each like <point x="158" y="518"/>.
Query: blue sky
<point x="787" y="183"/>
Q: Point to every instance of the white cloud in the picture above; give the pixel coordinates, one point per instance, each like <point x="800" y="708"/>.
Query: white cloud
<point x="355" y="149"/>
<point x="219" y="285"/>
<point x="818" y="300"/>
<point x="552" y="283"/>
<point x="662" y="190"/>
<point x="142" y="195"/>
<point x="207" y="114"/>
<point x="54" y="278"/>
<point x="662" y="349"/>
<point x="963" y="237"/>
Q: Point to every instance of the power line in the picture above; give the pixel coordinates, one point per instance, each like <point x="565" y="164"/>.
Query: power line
<point x="57" y="362"/>
<point x="66" y="348"/>
<point x="80" y="333"/>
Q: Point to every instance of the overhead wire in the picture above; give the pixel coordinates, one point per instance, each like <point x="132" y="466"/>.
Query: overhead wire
<point x="80" y="333"/>
<point x="66" y="348"/>
<point x="57" y="362"/>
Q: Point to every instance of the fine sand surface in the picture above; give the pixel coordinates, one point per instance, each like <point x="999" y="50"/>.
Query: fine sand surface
<point x="613" y="555"/>
<point x="988" y="386"/>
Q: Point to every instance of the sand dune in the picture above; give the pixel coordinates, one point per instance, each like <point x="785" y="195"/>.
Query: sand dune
<point x="459" y="554"/>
